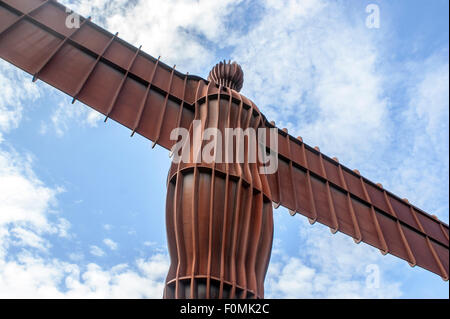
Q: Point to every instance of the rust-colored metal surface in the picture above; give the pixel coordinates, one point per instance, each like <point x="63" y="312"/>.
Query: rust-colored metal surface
<point x="227" y="74"/>
<point x="219" y="216"/>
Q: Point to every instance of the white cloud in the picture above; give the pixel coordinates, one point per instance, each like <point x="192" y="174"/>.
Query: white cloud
<point x="149" y="243"/>
<point x="63" y="227"/>
<point x="329" y="266"/>
<point x="312" y="69"/>
<point x="26" y="205"/>
<point x="32" y="277"/>
<point x="65" y="114"/>
<point x="26" y="220"/>
<point x="422" y="174"/>
<point x="96" y="251"/>
<point x="317" y="72"/>
<point x="76" y="257"/>
<point x="28" y="238"/>
<point x="177" y="30"/>
<point x="16" y="88"/>
<point x="119" y="281"/>
<point x="110" y="243"/>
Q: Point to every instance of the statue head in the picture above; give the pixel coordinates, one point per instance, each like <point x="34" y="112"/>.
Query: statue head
<point x="228" y="74"/>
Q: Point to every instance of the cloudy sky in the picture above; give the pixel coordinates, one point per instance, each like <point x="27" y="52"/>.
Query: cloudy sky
<point x="82" y="203"/>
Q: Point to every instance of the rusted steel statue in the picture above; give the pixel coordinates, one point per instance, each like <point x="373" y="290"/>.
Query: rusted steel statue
<point x="219" y="215"/>
<point x="219" y="207"/>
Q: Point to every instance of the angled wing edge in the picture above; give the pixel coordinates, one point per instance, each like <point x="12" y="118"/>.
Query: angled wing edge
<point x="97" y="68"/>
<point x="323" y="190"/>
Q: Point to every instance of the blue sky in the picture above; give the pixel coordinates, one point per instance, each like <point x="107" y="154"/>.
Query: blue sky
<point x="82" y="204"/>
